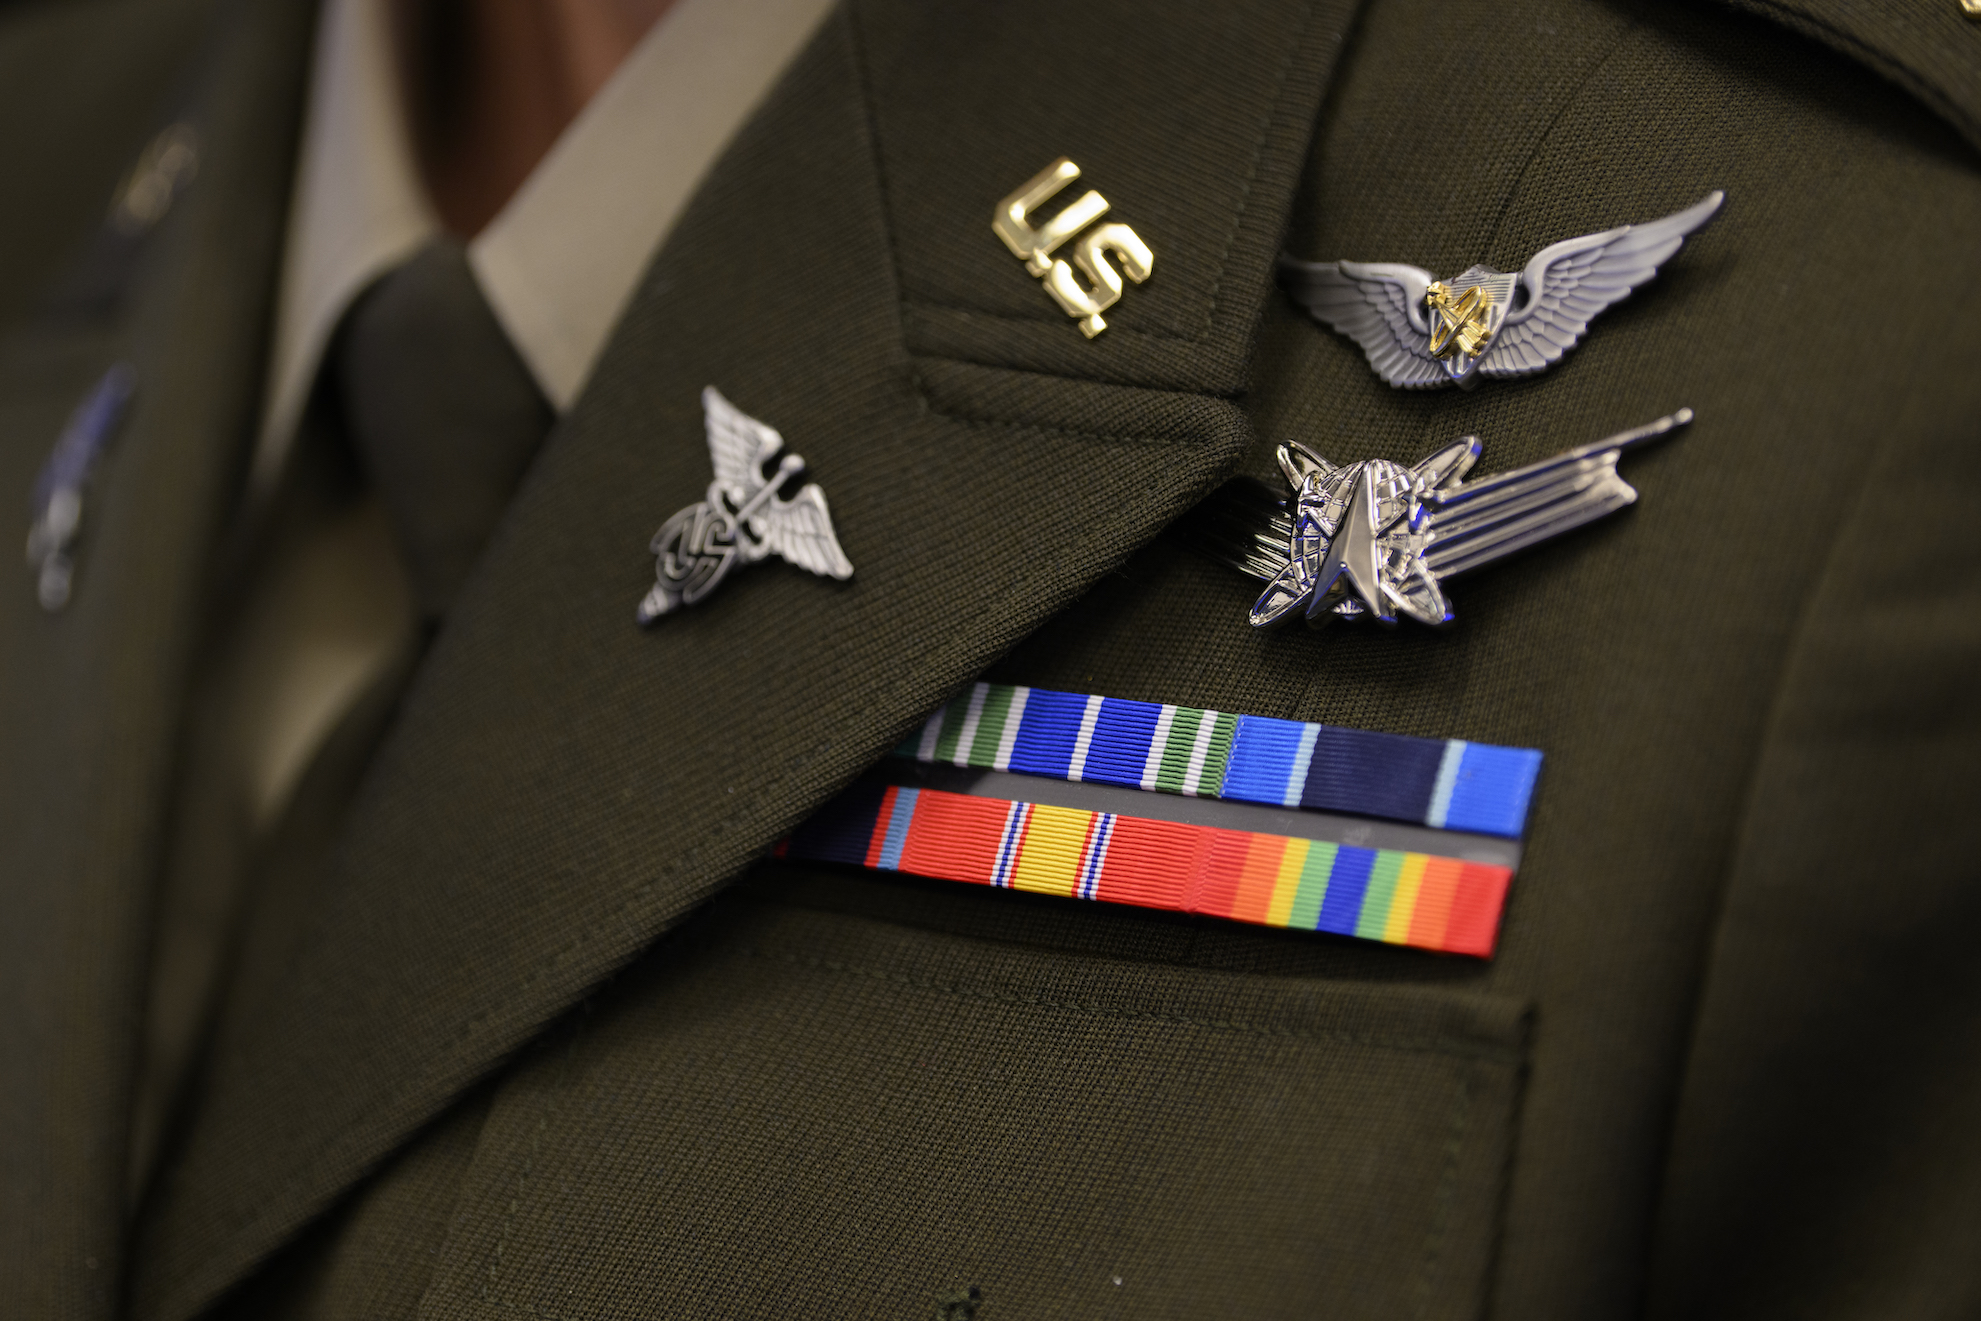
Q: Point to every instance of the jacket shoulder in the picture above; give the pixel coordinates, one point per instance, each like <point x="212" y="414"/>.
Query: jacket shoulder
<point x="1932" y="50"/>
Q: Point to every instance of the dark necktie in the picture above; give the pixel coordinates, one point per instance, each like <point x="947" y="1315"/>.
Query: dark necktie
<point x="443" y="417"/>
<point x="441" y="410"/>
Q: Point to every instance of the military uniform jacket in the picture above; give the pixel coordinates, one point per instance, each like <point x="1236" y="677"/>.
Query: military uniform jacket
<point x="551" y="1036"/>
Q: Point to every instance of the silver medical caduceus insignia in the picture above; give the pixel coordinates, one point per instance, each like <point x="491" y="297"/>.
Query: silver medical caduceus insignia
<point x="1377" y="538"/>
<point x="759" y="505"/>
<point x="1419" y="331"/>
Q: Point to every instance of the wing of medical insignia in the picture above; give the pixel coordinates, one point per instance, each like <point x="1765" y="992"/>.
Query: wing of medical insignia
<point x="1379" y="305"/>
<point x="738" y="445"/>
<point x="800" y="530"/>
<point x="1568" y="283"/>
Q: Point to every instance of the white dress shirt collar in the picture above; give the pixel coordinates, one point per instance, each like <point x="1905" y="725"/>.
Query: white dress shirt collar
<point x="559" y="263"/>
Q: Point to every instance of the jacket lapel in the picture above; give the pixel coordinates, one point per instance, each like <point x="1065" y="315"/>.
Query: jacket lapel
<point x="562" y="786"/>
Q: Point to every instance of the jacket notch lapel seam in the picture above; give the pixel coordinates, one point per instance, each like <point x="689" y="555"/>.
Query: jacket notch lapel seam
<point x="989" y="418"/>
<point x="1120" y="333"/>
<point x="1267" y="123"/>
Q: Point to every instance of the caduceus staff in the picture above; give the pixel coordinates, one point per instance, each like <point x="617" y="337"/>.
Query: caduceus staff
<point x="744" y="518"/>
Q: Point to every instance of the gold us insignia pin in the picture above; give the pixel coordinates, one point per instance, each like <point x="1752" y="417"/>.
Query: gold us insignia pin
<point x="1035" y="244"/>
<point x="1418" y="331"/>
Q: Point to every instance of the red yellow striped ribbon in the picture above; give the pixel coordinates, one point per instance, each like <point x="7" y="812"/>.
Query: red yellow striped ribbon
<point x="1398" y="897"/>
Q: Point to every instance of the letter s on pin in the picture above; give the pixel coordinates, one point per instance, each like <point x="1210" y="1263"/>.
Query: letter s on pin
<point x="1035" y="244"/>
<point x="1091" y="255"/>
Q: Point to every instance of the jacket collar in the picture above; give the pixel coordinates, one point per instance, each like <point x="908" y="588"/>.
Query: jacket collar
<point x="563" y="787"/>
<point x="1931" y="49"/>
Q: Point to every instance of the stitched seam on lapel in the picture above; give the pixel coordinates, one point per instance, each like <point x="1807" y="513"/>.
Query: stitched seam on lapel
<point x="1039" y="429"/>
<point x="258" y="1214"/>
<point x="1569" y="102"/>
<point x="856" y="54"/>
<point x="1266" y="124"/>
<point x="549" y="1100"/>
<point x="991" y="419"/>
<point x="1043" y="319"/>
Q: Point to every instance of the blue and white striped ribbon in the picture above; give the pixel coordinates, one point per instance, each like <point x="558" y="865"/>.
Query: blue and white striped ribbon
<point x="1450" y="784"/>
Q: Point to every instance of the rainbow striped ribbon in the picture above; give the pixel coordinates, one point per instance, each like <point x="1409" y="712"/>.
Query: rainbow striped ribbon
<point x="1401" y="898"/>
<point x="1448" y="784"/>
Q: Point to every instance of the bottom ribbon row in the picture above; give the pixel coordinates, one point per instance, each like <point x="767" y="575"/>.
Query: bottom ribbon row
<point x="1395" y="896"/>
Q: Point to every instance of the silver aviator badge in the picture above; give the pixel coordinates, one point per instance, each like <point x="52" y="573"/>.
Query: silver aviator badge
<point x="1377" y="538"/>
<point x="745" y="517"/>
<point x="1420" y="332"/>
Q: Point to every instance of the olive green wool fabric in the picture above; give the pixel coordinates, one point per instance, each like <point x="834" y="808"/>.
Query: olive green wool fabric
<point x="550" y="1036"/>
<point x="92" y="702"/>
